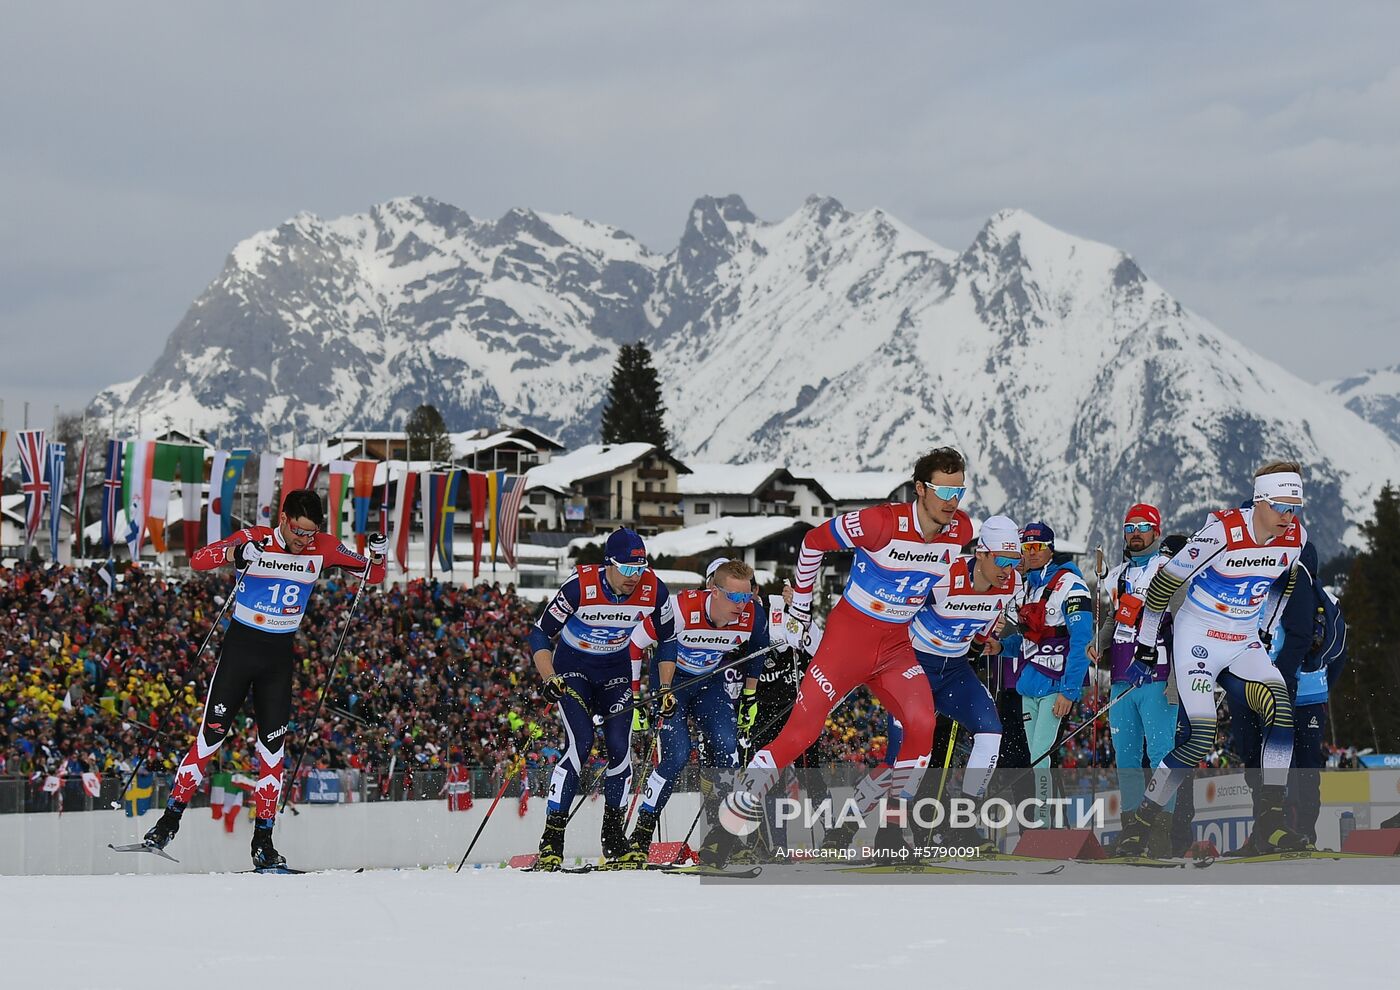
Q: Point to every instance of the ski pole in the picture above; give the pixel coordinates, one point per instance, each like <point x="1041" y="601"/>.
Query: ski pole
<point x="696" y="680"/>
<point x="335" y="661"/>
<point x="155" y="732"/>
<point x="1084" y="725"/>
<point x="514" y="768"/>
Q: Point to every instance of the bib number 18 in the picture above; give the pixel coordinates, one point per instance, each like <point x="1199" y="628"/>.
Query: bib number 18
<point x="290" y="594"/>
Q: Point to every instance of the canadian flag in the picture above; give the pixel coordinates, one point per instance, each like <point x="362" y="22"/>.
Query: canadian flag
<point x="52" y="783"/>
<point x="92" y="783"/>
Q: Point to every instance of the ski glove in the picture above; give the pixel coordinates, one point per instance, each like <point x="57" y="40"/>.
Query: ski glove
<point x="666" y="704"/>
<point x="245" y="555"/>
<point x="748" y="712"/>
<point x="640" y="722"/>
<point x="1144" y="666"/>
<point x="553" y="688"/>
<point x="1267" y="638"/>
<point x="378" y="547"/>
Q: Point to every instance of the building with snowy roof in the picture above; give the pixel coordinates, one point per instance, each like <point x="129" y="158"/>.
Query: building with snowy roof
<point x="714" y="490"/>
<point x="600" y="487"/>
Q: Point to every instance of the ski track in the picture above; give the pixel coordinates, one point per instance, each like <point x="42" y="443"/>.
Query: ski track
<point x="494" y="928"/>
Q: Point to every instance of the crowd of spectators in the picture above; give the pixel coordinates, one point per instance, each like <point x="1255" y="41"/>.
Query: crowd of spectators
<point x="432" y="674"/>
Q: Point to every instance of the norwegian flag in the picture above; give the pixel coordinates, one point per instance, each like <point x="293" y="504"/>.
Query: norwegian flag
<point x="33" y="481"/>
<point x="111" y="493"/>
<point x="57" y="455"/>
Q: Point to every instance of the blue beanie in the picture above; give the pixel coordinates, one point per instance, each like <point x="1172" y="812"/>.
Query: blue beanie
<point x="624" y="546"/>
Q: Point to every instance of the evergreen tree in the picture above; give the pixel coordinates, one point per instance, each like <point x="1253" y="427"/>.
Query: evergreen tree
<point x="427" y="435"/>
<point x="634" y="411"/>
<point x="1366" y="704"/>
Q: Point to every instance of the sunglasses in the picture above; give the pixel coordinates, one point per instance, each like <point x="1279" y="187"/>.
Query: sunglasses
<point x="947" y="493"/>
<point x="1284" y="508"/>
<point x="1034" y="547"/>
<point x="1001" y="561"/>
<point x="629" y="570"/>
<point x="1142" y="527"/>
<point x="737" y="597"/>
<point x="301" y="534"/>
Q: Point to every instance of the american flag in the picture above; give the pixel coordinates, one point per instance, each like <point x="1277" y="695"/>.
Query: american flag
<point x="57" y="456"/>
<point x="111" y="493"/>
<point x="508" y="514"/>
<point x="33" y="481"/>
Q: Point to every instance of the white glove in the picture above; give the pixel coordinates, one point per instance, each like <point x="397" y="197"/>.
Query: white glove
<point x="800" y="609"/>
<point x="378" y="547"/>
<point x="247" y="554"/>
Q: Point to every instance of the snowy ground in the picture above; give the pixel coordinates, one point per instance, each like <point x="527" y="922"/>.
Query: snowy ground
<point x="490" y="928"/>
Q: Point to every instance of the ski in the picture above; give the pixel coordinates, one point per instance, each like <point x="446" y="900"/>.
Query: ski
<point x="1298" y="854"/>
<point x="1148" y="861"/>
<point x="276" y="870"/>
<point x="748" y="873"/>
<point x="141" y="847"/>
<point x="941" y="869"/>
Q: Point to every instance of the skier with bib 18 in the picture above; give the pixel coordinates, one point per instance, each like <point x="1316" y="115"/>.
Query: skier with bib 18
<point x="278" y="569"/>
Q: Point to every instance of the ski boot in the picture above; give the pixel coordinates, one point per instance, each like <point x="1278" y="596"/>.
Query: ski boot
<point x="158" y="836"/>
<point x="839" y="837"/>
<point x="618" y="851"/>
<point x="966" y="837"/>
<point x="265" y="857"/>
<point x="1159" y="837"/>
<point x="1272" y="833"/>
<point x="551" y="857"/>
<point x="890" y="843"/>
<point x="1137" y="829"/>
<point x="642" y="832"/>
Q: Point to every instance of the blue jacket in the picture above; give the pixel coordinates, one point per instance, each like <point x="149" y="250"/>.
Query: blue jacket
<point x="1079" y="621"/>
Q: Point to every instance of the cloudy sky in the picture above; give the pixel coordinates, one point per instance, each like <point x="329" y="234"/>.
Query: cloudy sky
<point x="1248" y="155"/>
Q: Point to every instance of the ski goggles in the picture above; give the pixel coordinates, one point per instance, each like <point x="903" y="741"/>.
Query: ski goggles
<point x="1284" y="508"/>
<point x="1138" y="527"/>
<point x="629" y="570"/>
<point x="947" y="493"/>
<point x="1035" y="547"/>
<point x="737" y="597"/>
<point x="301" y="534"/>
<point x="1001" y="561"/>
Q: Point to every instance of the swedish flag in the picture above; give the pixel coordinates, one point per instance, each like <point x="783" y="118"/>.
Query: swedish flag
<point x="139" y="794"/>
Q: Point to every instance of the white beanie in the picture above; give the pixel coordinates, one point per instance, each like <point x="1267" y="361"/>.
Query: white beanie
<point x="999" y="535"/>
<point x="714" y="566"/>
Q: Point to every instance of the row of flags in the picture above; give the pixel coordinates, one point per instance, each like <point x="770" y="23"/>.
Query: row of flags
<point x="139" y="475"/>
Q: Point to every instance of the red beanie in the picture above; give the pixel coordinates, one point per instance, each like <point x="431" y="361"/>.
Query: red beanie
<point x="1147" y="513"/>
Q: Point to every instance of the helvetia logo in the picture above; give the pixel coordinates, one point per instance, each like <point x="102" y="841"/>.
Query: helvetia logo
<point x="1251" y="562"/>
<point x="919" y="557"/>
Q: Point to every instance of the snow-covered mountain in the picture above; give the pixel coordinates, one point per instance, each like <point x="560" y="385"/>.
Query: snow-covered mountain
<point x="1074" y="382"/>
<point x="1374" y="396"/>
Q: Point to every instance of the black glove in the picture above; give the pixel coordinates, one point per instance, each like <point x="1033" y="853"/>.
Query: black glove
<point x="1144" y="666"/>
<point x="666" y="703"/>
<point x="1267" y="638"/>
<point x="553" y="688"/>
